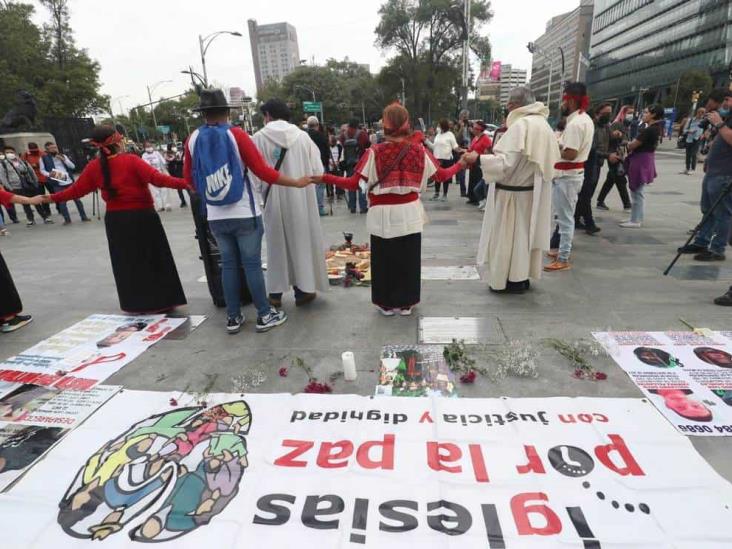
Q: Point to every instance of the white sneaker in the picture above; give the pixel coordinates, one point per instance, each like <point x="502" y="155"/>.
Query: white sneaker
<point x="385" y="312"/>
<point x="630" y="225"/>
<point x="405" y="312"/>
<point x="271" y="320"/>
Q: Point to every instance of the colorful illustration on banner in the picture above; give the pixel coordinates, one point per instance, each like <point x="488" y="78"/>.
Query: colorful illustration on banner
<point x="681" y="402"/>
<point x="715" y="357"/>
<point x="21" y="445"/>
<point x="657" y="358"/>
<point x="22" y="401"/>
<point x="725" y="395"/>
<point x="173" y="471"/>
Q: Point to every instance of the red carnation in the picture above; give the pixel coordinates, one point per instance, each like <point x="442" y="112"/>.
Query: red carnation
<point x="283" y="372"/>
<point x="468" y="377"/>
<point x="599" y="376"/>
<point x="173" y="402"/>
<point x="316" y="387"/>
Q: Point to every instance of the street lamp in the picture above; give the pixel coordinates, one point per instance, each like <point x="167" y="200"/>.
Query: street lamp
<point x="150" y="90"/>
<point x="203" y="45"/>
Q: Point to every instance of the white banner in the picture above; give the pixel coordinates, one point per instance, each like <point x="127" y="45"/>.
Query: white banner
<point x="88" y="352"/>
<point x="688" y="376"/>
<point x="33" y="418"/>
<point x="314" y="471"/>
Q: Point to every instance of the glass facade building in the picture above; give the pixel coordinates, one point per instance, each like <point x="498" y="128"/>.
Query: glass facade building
<point x="642" y="47"/>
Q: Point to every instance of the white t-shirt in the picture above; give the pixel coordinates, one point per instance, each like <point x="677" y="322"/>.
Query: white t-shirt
<point x="577" y="136"/>
<point x="445" y="143"/>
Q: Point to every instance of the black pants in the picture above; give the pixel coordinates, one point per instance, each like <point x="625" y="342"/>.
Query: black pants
<point x="692" y="150"/>
<point x="614" y="179"/>
<point x="445" y="184"/>
<point x="583" y="211"/>
<point x="30" y="193"/>
<point x="12" y="214"/>
<point x="476" y="174"/>
<point x="182" y="197"/>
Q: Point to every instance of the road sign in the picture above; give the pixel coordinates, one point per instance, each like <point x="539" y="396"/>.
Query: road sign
<point x="312" y="106"/>
<point x="165" y="130"/>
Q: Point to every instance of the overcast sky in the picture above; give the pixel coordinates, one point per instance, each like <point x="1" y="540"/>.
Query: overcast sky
<point x="141" y="42"/>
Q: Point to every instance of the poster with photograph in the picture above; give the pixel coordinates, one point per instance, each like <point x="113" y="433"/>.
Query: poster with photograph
<point x="415" y="371"/>
<point x="687" y="376"/>
<point x="316" y="471"/>
<point x="88" y="352"/>
<point x="33" y="418"/>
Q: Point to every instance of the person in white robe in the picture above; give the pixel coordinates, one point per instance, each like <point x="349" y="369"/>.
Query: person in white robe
<point x="517" y="219"/>
<point x="295" y="248"/>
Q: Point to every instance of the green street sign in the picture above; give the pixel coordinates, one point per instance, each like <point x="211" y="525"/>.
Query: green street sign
<point x="312" y="106"/>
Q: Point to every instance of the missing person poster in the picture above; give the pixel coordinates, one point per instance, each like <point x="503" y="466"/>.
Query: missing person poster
<point x="687" y="376"/>
<point x="88" y="352"/>
<point x="33" y="418"/>
<point x="317" y="471"/>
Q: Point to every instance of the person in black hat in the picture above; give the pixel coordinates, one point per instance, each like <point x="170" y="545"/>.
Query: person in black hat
<point x="218" y="157"/>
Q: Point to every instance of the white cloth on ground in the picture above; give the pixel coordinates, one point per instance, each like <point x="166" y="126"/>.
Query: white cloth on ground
<point x="295" y="248"/>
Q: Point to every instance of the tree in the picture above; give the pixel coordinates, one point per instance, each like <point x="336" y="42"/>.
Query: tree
<point x="427" y="37"/>
<point x="63" y="79"/>
<point x="691" y="81"/>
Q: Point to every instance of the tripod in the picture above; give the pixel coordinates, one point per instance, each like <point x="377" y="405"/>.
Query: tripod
<point x="704" y="219"/>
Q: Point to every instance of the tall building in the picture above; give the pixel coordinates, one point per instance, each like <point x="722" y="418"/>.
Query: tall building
<point x="642" y="47"/>
<point x="275" y="52"/>
<point x="566" y="41"/>
<point x="510" y="78"/>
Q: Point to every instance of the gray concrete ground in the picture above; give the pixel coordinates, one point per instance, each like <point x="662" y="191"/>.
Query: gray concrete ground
<point x="63" y="274"/>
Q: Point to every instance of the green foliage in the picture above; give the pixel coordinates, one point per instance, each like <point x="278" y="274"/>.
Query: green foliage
<point x="427" y="37"/>
<point x="691" y="81"/>
<point x="47" y="63"/>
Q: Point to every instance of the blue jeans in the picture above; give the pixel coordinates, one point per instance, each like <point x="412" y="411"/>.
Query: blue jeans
<point x="240" y="244"/>
<point x="481" y="190"/>
<point x="638" y="204"/>
<point x="362" y="202"/>
<point x="715" y="232"/>
<point x="461" y="181"/>
<point x="62" y="208"/>
<point x="320" y="194"/>
<point x="564" y="201"/>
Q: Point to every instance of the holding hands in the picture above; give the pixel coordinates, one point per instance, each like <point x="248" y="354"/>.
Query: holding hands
<point x="469" y="158"/>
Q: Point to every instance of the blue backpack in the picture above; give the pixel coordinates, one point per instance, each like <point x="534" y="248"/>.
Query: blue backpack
<point x="218" y="171"/>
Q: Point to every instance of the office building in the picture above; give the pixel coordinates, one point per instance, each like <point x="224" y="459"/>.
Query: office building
<point x="640" y="48"/>
<point x="275" y="52"/>
<point x="510" y="78"/>
<point x="237" y="96"/>
<point x="560" y="51"/>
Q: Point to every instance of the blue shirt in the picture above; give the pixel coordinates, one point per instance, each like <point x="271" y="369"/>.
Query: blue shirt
<point x="719" y="160"/>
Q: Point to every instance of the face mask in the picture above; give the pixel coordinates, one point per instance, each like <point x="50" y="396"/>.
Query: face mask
<point x="723" y="112"/>
<point x="149" y="149"/>
<point x="2" y="156"/>
<point x="10" y="156"/>
<point x="628" y="117"/>
<point x="604" y="119"/>
<point x="174" y="149"/>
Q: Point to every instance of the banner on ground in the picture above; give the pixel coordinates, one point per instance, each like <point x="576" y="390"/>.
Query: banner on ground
<point x="317" y="471"/>
<point x="33" y="418"/>
<point x="88" y="352"/>
<point x="687" y="376"/>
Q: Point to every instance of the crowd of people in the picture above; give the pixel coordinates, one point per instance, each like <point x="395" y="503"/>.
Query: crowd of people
<point x="535" y="184"/>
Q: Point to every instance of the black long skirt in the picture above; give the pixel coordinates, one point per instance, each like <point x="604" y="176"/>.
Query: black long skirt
<point x="144" y="269"/>
<point x="10" y="304"/>
<point x="396" y="271"/>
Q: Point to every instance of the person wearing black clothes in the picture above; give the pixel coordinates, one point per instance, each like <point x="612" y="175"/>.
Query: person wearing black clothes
<point x="615" y="169"/>
<point x="583" y="218"/>
<point x="321" y="141"/>
<point x="174" y="161"/>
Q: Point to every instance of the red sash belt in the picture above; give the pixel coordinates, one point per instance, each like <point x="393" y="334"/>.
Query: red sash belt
<point x="569" y="166"/>
<point x="391" y="199"/>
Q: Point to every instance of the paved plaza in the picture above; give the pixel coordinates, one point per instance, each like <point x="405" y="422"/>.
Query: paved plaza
<point x="64" y="275"/>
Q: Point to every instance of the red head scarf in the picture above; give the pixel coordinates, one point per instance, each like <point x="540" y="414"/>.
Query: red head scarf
<point x="113" y="139"/>
<point x="582" y="100"/>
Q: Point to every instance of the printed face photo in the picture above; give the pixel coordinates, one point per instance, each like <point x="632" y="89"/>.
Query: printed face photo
<point x="25" y="399"/>
<point x="121" y="334"/>
<point x="656" y="357"/>
<point x="715" y="357"/>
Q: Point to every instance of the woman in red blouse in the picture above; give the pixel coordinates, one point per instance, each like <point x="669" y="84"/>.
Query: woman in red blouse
<point x="10" y="304"/>
<point x="395" y="171"/>
<point x="482" y="144"/>
<point x="144" y="270"/>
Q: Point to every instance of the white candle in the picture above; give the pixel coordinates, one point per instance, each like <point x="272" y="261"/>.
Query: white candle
<point x="349" y="366"/>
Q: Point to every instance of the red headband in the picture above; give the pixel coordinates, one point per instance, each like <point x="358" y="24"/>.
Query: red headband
<point x="113" y="139"/>
<point x="582" y="100"/>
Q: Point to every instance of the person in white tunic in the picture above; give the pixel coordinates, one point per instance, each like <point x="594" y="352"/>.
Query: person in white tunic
<point x="517" y="219"/>
<point x="295" y="248"/>
<point x="161" y="196"/>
